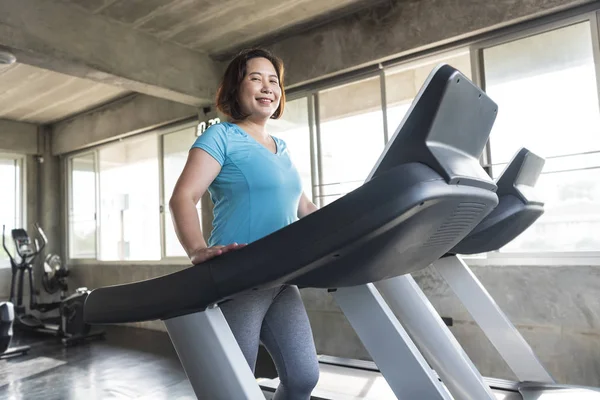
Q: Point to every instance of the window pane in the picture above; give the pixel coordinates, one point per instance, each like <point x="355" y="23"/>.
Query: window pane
<point x="176" y="146"/>
<point x="10" y="202"/>
<point x="545" y="87"/>
<point x="402" y="83"/>
<point x="82" y="212"/>
<point x="294" y="129"/>
<point x="129" y="200"/>
<point x="351" y="123"/>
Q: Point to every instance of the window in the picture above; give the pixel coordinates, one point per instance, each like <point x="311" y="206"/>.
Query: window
<point x="351" y="129"/>
<point x="294" y="129"/>
<point x="176" y="147"/>
<point x="402" y="83"/>
<point x="11" y="201"/>
<point x="545" y="86"/>
<point x="82" y="207"/>
<point x="129" y="200"/>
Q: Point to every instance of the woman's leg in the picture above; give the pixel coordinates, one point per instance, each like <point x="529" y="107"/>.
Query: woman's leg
<point x="287" y="335"/>
<point x="244" y="315"/>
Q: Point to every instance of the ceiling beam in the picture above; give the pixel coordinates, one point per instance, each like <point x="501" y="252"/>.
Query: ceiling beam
<point x="125" y="117"/>
<point x="18" y="137"/>
<point x="52" y="35"/>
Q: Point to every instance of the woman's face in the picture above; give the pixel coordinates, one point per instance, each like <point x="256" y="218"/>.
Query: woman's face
<point x="259" y="90"/>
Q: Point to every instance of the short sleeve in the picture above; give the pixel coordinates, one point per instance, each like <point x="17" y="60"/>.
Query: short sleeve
<point x="214" y="142"/>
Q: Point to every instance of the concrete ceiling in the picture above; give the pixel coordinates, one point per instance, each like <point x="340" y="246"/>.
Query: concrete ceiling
<point x="219" y="26"/>
<point x="50" y="83"/>
<point x="35" y="95"/>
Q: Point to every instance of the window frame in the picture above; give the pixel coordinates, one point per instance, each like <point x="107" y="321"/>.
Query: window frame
<point x="67" y="176"/>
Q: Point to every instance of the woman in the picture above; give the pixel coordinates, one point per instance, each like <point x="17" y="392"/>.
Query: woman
<point x="256" y="190"/>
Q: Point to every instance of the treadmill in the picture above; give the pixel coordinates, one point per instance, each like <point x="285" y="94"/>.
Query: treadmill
<point x="426" y="193"/>
<point x="518" y="209"/>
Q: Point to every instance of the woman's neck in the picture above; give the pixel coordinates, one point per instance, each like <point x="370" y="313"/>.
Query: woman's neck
<point x="255" y="128"/>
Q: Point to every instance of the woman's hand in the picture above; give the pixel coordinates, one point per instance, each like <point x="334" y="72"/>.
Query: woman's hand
<point x="207" y="253"/>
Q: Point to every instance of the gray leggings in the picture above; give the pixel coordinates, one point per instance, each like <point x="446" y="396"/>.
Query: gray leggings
<point x="277" y="318"/>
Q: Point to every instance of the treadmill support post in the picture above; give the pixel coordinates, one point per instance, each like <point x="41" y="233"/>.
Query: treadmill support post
<point x="211" y="357"/>
<point x="398" y="359"/>
<point x="507" y="340"/>
<point x="433" y="338"/>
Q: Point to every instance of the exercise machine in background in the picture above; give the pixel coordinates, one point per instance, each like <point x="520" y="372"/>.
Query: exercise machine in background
<point x="69" y="325"/>
<point x="7" y="317"/>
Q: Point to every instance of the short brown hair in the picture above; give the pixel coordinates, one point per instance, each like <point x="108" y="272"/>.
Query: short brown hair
<point x="227" y="93"/>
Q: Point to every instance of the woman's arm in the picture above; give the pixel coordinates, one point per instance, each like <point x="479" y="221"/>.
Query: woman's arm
<point x="305" y="206"/>
<point x="198" y="173"/>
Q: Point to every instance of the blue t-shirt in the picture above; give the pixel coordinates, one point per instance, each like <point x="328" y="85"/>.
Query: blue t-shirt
<point x="256" y="193"/>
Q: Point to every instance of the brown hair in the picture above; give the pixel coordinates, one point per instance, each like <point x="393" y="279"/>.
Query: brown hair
<point x="227" y="93"/>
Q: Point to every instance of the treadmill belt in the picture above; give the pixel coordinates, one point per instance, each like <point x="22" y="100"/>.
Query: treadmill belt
<point x="362" y="383"/>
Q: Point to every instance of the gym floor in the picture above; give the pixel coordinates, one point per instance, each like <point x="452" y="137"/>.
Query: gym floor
<point x="129" y="363"/>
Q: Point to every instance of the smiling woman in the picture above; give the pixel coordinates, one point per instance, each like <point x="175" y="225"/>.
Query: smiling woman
<point x="256" y="190"/>
<point x="243" y="78"/>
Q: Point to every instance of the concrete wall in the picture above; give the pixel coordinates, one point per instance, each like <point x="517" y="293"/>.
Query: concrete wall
<point x="124" y="117"/>
<point x="397" y="28"/>
<point x="555" y="308"/>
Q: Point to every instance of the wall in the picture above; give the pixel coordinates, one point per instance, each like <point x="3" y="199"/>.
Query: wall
<point x="124" y="117"/>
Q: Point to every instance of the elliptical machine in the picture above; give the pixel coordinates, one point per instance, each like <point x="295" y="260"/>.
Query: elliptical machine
<point x="69" y="326"/>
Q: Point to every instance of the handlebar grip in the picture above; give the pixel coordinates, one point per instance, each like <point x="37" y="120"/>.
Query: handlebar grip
<point x="43" y="235"/>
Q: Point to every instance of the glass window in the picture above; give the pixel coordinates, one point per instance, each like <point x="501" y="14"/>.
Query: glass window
<point x="402" y="83"/>
<point x="545" y="86"/>
<point x="129" y="200"/>
<point x="82" y="207"/>
<point x="351" y="126"/>
<point x="10" y="201"/>
<point x="176" y="147"/>
<point x="293" y="127"/>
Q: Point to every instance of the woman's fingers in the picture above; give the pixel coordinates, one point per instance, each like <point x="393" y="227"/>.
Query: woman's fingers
<point x="213" y="251"/>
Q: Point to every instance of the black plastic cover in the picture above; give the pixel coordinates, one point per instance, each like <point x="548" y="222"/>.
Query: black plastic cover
<point x="519" y="206"/>
<point x="446" y="128"/>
